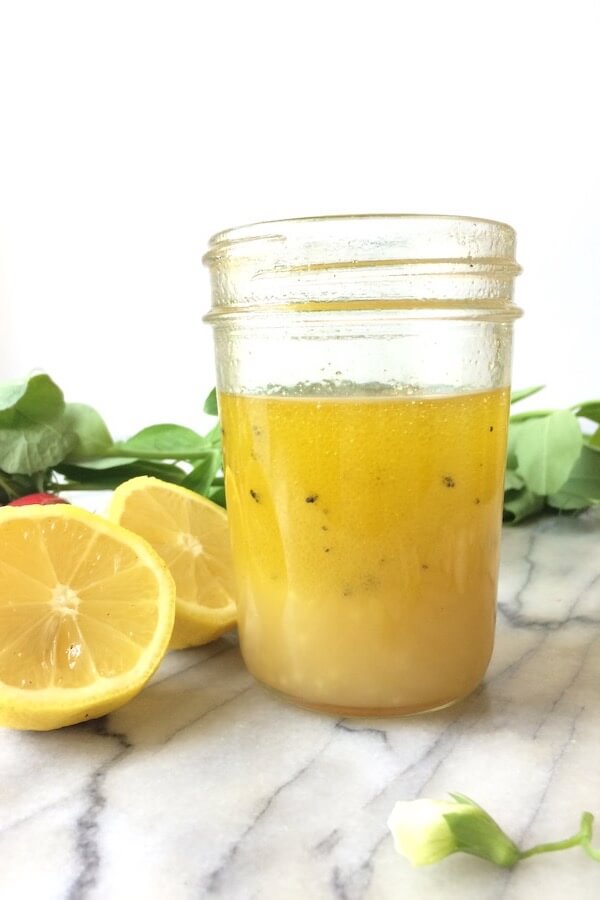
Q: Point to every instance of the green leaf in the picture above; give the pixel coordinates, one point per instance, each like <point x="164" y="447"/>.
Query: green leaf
<point x="13" y="486"/>
<point x="217" y="495"/>
<point x="92" y="436"/>
<point x="38" y="398"/>
<point x="33" y="447"/>
<point x="584" y="479"/>
<point x="567" y="501"/>
<point x="462" y="798"/>
<point x="201" y="476"/>
<point x="531" y="414"/>
<point x="214" y="436"/>
<point x="516" y="396"/>
<point x="589" y="410"/>
<point x="82" y="478"/>
<point x="163" y="442"/>
<point x="521" y="505"/>
<point x="103" y="462"/>
<point x="10" y="394"/>
<point x="210" y="404"/>
<point x="479" y="835"/>
<point x="511" y="455"/>
<point x="512" y="481"/>
<point x="34" y="433"/>
<point x="594" y="440"/>
<point x="546" y="450"/>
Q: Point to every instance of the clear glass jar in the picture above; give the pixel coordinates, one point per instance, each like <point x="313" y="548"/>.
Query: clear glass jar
<point x="363" y="371"/>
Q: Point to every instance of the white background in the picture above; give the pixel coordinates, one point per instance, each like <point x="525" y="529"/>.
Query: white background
<point x="131" y="130"/>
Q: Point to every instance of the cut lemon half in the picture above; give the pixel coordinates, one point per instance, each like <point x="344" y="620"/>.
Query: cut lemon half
<point x="86" y="613"/>
<point x="191" y="534"/>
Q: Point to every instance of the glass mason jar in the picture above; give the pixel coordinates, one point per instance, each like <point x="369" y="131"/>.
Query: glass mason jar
<point x="363" y="373"/>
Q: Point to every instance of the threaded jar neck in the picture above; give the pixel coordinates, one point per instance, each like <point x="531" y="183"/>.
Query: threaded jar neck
<point x="418" y="264"/>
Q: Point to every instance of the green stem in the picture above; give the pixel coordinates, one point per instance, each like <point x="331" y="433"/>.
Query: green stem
<point x="551" y="847"/>
<point x="156" y="455"/>
<point x="591" y="851"/>
<point x="587" y="822"/>
<point x="582" y="839"/>
<point x="79" y="486"/>
<point x="8" y="489"/>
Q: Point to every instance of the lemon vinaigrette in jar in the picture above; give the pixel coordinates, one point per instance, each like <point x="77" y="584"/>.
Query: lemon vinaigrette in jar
<point x="363" y="367"/>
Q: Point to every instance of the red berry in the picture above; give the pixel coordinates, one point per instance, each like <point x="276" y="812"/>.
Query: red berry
<point x="40" y="499"/>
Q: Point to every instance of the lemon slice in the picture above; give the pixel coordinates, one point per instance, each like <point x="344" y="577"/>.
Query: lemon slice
<point x="86" y="613"/>
<point x="192" y="536"/>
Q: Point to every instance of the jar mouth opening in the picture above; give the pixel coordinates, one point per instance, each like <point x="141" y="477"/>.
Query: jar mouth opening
<point x="369" y="237"/>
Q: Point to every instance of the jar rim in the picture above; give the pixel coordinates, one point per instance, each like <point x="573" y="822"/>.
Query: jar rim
<point x="466" y="236"/>
<point x="432" y="262"/>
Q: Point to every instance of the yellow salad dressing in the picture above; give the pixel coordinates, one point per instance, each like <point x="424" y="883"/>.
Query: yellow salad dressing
<point x="365" y="532"/>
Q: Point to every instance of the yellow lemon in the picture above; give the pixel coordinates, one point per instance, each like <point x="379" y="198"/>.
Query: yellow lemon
<point x="86" y="613"/>
<point x="191" y="534"/>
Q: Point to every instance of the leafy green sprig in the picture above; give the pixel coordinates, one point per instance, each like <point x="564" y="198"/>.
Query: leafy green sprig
<point x="49" y="445"/>
<point x="552" y="462"/>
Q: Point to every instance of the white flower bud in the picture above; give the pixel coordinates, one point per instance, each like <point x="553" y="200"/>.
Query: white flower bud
<point x="426" y="831"/>
<point x="420" y="830"/>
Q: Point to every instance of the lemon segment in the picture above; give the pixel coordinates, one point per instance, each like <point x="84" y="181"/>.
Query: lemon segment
<point x="86" y="614"/>
<point x="191" y="535"/>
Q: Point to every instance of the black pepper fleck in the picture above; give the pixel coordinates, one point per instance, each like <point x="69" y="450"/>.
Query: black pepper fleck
<point x="324" y="528"/>
<point x="370" y="582"/>
<point x="448" y="481"/>
<point x="491" y="427"/>
<point x="327" y="549"/>
<point x="477" y="501"/>
<point x="424" y="566"/>
<point x="254" y="496"/>
<point x="312" y="498"/>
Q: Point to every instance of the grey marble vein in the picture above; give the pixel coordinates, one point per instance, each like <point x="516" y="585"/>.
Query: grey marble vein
<point x="217" y="876"/>
<point x="88" y="824"/>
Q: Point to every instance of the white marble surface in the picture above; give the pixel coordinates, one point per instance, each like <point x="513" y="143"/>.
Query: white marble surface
<point x="206" y="786"/>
